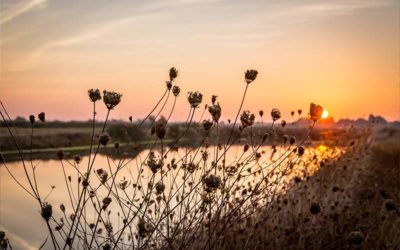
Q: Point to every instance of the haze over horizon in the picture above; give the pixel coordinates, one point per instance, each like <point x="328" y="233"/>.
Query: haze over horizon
<point x="343" y="55"/>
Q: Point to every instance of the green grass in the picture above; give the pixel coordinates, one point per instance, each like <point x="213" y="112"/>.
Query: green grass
<point x="76" y="148"/>
<point x="47" y="131"/>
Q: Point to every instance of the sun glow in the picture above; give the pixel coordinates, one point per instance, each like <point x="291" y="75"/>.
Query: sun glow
<point x="325" y="114"/>
<point x="322" y="148"/>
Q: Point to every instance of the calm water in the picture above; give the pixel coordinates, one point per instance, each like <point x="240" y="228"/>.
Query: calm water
<point x="19" y="213"/>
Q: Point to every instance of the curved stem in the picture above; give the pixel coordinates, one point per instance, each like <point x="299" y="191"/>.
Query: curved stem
<point x="158" y="103"/>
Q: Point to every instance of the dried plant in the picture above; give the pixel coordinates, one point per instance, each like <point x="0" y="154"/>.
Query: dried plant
<point x="197" y="199"/>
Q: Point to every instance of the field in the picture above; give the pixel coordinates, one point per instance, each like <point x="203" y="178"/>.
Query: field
<point x="204" y="183"/>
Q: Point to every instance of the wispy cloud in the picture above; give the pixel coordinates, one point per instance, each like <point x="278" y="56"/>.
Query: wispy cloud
<point x="19" y="9"/>
<point x="331" y="8"/>
<point x="83" y="36"/>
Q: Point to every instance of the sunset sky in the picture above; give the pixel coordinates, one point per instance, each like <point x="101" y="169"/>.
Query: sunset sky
<point x="343" y="55"/>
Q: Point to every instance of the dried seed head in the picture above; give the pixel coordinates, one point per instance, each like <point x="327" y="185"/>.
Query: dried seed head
<point x="246" y="147"/>
<point x="292" y="113"/>
<point x="207" y="124"/>
<point x="92" y="193"/>
<point x="109" y="228"/>
<point x="250" y="75"/>
<point x="154" y="163"/>
<point x="283" y="123"/>
<point x="94" y="95"/>
<point x="77" y="159"/>
<point x="300" y="151"/>
<point x="107" y="246"/>
<point x="247" y="119"/>
<point x="390" y="205"/>
<point x="106" y="202"/>
<point x="213" y="99"/>
<point x="173" y="73"/>
<point x="211" y="183"/>
<point x="299" y="111"/>
<point x="42" y="116"/>
<point x="176" y="90"/>
<point x="85" y="183"/>
<point x="195" y="98"/>
<point x="160" y="187"/>
<point x="315" y="208"/>
<point x="215" y="111"/>
<point x="123" y="184"/>
<point x="315" y="112"/>
<point x="47" y="211"/>
<point x="169" y="84"/>
<point x="160" y="127"/>
<point x="356" y="238"/>
<point x="292" y="140"/>
<point x="384" y="194"/>
<point x="103" y="175"/>
<point x="275" y="114"/>
<point x="261" y="113"/>
<point x="62" y="208"/>
<point x="32" y="119"/>
<point x="104" y="138"/>
<point x="144" y="228"/>
<point x="4" y="242"/>
<point x="111" y="99"/>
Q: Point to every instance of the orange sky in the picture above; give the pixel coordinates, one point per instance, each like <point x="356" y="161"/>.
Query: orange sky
<point x="343" y="55"/>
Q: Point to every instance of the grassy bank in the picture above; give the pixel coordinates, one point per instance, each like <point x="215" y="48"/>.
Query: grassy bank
<point x="350" y="203"/>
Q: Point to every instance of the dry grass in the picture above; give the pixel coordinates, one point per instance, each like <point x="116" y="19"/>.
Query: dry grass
<point x="286" y="196"/>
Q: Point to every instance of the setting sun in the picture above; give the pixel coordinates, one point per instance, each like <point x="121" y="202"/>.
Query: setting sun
<point x="325" y="114"/>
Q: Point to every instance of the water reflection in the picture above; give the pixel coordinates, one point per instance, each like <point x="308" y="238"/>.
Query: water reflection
<point x="20" y="215"/>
